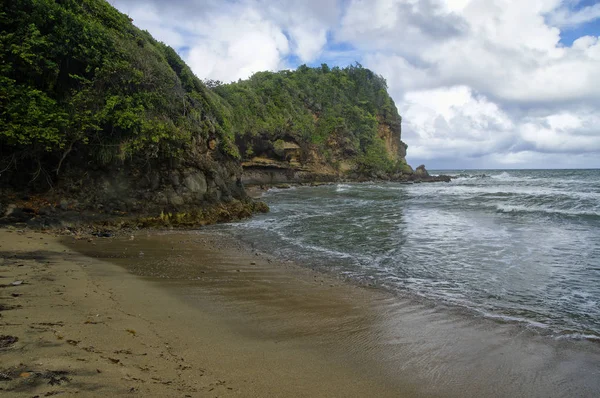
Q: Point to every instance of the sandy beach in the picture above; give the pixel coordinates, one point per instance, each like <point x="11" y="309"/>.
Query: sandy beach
<point x="88" y="327"/>
<point x="177" y="314"/>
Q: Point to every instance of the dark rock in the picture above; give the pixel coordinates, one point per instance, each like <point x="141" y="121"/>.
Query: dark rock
<point x="103" y="234"/>
<point x="10" y="209"/>
<point x="6" y="341"/>
<point x="421" y="171"/>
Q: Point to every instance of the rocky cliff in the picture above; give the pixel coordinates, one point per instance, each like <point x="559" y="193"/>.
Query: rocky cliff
<point x="96" y="111"/>
<point x="96" y="115"/>
<point x="315" y="124"/>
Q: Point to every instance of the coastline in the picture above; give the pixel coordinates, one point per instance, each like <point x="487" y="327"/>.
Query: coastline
<point x="198" y="314"/>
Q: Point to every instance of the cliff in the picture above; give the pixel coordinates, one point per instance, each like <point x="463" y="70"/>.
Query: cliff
<point x="97" y="111"/>
<point x="96" y="115"/>
<point x="315" y="124"/>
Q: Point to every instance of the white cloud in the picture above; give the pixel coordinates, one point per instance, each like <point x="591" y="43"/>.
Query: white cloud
<point x="231" y="47"/>
<point x="566" y="18"/>
<point x="478" y="82"/>
<point x="493" y="89"/>
<point x="454" y="122"/>
<point x="232" y="40"/>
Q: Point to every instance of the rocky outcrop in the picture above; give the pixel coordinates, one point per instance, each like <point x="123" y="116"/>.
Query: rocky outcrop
<point x="422" y="175"/>
<point x="128" y="129"/>
<point x="270" y="176"/>
<point x="421" y="171"/>
<point x="269" y="172"/>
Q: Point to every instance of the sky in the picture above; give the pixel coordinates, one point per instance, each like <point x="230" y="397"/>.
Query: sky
<point x="479" y="83"/>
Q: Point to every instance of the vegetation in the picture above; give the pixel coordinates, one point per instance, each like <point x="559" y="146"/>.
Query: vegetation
<point x="78" y="79"/>
<point x="79" y="84"/>
<point x="336" y="110"/>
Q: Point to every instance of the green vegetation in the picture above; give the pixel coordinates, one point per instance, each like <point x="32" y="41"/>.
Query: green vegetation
<point x="336" y="110"/>
<point x="81" y="86"/>
<point x="77" y="77"/>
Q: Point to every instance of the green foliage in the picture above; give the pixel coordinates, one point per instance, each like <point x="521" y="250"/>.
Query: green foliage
<point x="375" y="159"/>
<point x="77" y="75"/>
<point x="337" y="110"/>
<point x="78" y="80"/>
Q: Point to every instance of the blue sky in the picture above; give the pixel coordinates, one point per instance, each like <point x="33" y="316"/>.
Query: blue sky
<point x="479" y="83"/>
<point x="592" y="28"/>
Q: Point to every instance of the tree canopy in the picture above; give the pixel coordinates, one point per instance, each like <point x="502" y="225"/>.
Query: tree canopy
<point x="77" y="75"/>
<point x="79" y="82"/>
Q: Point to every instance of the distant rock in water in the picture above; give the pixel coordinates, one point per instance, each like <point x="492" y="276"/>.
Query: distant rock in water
<point x="421" y="171"/>
<point x="422" y="175"/>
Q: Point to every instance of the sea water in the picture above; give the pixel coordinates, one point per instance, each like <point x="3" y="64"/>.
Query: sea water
<point x="518" y="246"/>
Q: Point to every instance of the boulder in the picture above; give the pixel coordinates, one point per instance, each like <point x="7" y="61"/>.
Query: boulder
<point x="421" y="171"/>
<point x="196" y="183"/>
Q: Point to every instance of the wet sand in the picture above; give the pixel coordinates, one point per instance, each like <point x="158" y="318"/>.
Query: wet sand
<point x="191" y="314"/>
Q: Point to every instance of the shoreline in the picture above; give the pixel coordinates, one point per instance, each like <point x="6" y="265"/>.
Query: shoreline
<point x="252" y="321"/>
<point x="523" y="325"/>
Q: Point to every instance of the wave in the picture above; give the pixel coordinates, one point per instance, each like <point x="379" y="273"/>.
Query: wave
<point x="465" y="176"/>
<point x="457" y="301"/>
<point x="342" y="187"/>
<point x="577" y="336"/>
<point x="503" y="176"/>
<point x="553" y="331"/>
<point x="516" y="209"/>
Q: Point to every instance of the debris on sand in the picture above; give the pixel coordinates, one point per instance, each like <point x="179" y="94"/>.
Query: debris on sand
<point x="7" y="341"/>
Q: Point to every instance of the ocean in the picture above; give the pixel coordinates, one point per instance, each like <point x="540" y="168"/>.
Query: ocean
<point x="516" y="246"/>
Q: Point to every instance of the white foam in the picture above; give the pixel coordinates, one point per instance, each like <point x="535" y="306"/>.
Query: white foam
<point x="577" y="336"/>
<point x="505" y="208"/>
<point x="342" y="187"/>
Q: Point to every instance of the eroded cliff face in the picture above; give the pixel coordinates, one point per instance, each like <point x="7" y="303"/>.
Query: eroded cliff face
<point x="301" y="162"/>
<point x="392" y="137"/>
<point x="178" y="185"/>
<point x="331" y="122"/>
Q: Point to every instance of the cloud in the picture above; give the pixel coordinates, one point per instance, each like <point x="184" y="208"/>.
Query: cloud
<point x="479" y="83"/>
<point x="454" y="122"/>
<point x="231" y="40"/>
<point x="231" y="47"/>
<point x="492" y="89"/>
<point x="457" y="124"/>
<point x="566" y="17"/>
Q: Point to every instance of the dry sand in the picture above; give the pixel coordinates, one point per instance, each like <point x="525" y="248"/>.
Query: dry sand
<point x="89" y="327"/>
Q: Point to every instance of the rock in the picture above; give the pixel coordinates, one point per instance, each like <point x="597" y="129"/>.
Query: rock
<point x="10" y="210"/>
<point x="260" y="207"/>
<point x="196" y="183"/>
<point x="421" y="171"/>
<point x="154" y="181"/>
<point x="7" y="341"/>
<point x="46" y="211"/>
<point x="175" y="199"/>
<point x="103" y="234"/>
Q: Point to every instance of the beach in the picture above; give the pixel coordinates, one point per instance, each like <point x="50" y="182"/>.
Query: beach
<point x="91" y="328"/>
<point x="201" y="314"/>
